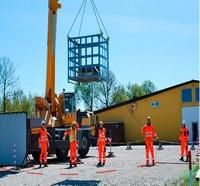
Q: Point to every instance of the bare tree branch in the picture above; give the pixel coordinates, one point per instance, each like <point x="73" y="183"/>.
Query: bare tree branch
<point x="106" y="89"/>
<point x="7" y="79"/>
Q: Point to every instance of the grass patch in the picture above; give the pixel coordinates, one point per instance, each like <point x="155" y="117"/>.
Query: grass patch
<point x="184" y="180"/>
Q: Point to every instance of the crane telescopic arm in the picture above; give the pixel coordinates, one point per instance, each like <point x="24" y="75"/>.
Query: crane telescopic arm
<point x="51" y="45"/>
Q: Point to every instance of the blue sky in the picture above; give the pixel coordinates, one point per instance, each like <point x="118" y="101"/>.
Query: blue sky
<point x="150" y="39"/>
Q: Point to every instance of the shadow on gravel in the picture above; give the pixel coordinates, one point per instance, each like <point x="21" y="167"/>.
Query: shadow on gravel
<point x="88" y="157"/>
<point x="56" y="161"/>
<point x="6" y="173"/>
<point x="78" y="183"/>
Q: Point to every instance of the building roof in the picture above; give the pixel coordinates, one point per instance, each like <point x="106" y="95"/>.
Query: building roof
<point x="145" y="96"/>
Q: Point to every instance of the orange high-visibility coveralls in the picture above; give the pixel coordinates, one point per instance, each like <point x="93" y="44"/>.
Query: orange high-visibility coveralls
<point x="102" y="145"/>
<point x="184" y="137"/>
<point x="72" y="133"/>
<point x="43" y="142"/>
<point x="149" y="133"/>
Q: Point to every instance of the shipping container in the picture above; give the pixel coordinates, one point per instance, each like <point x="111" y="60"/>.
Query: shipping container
<point x="13" y="139"/>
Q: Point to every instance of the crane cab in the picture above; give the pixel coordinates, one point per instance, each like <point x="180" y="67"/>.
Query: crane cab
<point x="68" y="107"/>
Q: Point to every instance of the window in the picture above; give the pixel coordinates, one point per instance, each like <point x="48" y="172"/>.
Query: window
<point x="187" y="95"/>
<point x="197" y="94"/>
<point x="69" y="102"/>
<point x="155" y="104"/>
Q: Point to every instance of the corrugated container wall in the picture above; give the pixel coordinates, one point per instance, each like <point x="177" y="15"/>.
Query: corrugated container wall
<point x="13" y="144"/>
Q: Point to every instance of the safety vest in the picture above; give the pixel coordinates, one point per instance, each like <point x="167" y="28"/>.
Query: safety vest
<point x="102" y="135"/>
<point x="43" y="136"/>
<point x="148" y="132"/>
<point x="184" y="134"/>
<point x="72" y="133"/>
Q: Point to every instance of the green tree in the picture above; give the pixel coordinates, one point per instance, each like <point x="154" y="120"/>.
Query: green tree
<point x="106" y="89"/>
<point x="119" y="94"/>
<point x="88" y="93"/>
<point x="134" y="90"/>
<point x="8" y="80"/>
<point x="148" y="87"/>
<point x="22" y="103"/>
<point x="27" y="105"/>
<point x="19" y="102"/>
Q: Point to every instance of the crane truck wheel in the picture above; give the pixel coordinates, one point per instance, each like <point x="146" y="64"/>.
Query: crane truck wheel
<point x="84" y="145"/>
<point x="36" y="156"/>
<point x="62" y="154"/>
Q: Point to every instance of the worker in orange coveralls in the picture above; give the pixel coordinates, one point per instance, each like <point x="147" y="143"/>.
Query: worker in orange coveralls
<point x="72" y="133"/>
<point x="101" y="142"/>
<point x="149" y="133"/>
<point x="43" y="144"/>
<point x="184" y="138"/>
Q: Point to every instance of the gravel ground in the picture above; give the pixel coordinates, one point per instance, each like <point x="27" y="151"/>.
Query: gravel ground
<point x="121" y="170"/>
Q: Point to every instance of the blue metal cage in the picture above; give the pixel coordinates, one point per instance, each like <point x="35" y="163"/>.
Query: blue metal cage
<point x="88" y="58"/>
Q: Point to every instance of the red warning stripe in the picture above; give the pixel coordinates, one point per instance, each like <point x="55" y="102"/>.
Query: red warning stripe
<point x="5" y="169"/>
<point x="35" y="173"/>
<point x="68" y="174"/>
<point x="105" y="171"/>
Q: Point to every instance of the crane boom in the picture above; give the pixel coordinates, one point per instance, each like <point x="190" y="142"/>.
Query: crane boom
<point x="51" y="45"/>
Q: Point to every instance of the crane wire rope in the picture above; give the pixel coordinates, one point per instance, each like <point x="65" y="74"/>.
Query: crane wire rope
<point x="82" y="18"/>
<point x="76" y="17"/>
<point x="96" y="14"/>
<point x="99" y="17"/>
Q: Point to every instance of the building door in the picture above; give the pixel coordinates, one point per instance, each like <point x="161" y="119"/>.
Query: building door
<point x="194" y="131"/>
<point x="191" y="115"/>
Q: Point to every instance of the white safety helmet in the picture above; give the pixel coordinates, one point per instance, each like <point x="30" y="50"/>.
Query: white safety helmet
<point x="42" y="122"/>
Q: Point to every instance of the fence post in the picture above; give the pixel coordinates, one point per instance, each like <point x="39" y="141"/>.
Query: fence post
<point x="129" y="146"/>
<point x="190" y="168"/>
<point x="192" y="146"/>
<point x="160" y="147"/>
<point x="110" y="154"/>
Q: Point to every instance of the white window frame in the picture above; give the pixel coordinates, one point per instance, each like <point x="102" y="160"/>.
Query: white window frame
<point x="155" y="104"/>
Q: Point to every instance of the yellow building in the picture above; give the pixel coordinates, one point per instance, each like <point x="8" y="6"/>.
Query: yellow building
<point x="167" y="108"/>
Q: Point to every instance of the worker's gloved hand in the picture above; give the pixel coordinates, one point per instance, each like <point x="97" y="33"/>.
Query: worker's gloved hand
<point x="39" y="146"/>
<point x="63" y="137"/>
<point x="108" y="140"/>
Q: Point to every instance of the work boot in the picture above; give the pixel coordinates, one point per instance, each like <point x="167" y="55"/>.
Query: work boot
<point x="70" y="164"/>
<point x="147" y="163"/>
<point x="40" y="166"/>
<point x="75" y="164"/>
<point x="187" y="160"/>
<point x="45" y="165"/>
<point x="103" y="164"/>
<point x="181" y="159"/>
<point x="99" y="164"/>
<point x="153" y="162"/>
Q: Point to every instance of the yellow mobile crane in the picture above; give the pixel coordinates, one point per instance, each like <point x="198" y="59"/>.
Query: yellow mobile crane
<point x="52" y="105"/>
<point x="58" y="111"/>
